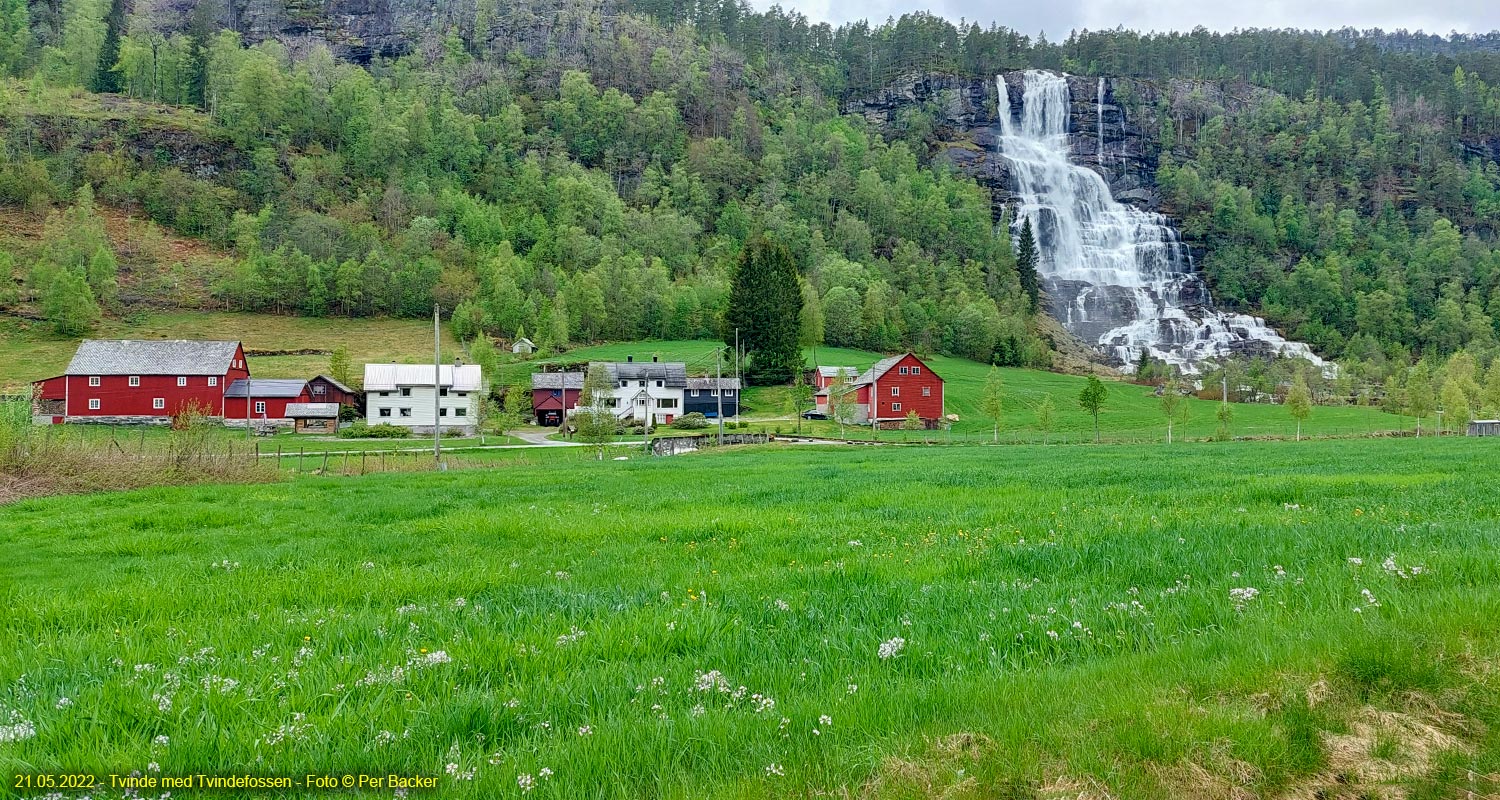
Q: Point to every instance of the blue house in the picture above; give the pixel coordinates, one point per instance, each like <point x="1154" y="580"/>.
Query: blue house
<point x="704" y="395"/>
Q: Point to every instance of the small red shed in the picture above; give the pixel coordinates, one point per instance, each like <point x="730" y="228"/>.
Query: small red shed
<point x="554" y="394"/>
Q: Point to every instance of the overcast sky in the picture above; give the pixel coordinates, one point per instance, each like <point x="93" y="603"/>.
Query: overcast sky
<point x="1058" y="17"/>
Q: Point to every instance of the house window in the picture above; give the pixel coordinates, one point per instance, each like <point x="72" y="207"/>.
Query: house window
<point x="693" y="392"/>
<point x="905" y="371"/>
<point x="443" y="391"/>
<point x="895" y="406"/>
<point x="623" y="384"/>
<point x="642" y="384"/>
<point x="213" y="381"/>
<point x="926" y="391"/>
<point x="460" y="412"/>
<point x="557" y="393"/>
<point x="385" y="412"/>
<point x="260" y="407"/>
<point x="318" y="388"/>
<point x="462" y="394"/>
<point x="405" y="412"/>
<point x="895" y="391"/>
<point x="667" y="402"/>
<point x="158" y="403"/>
<point x="442" y="412"/>
<point x="135" y="380"/>
<point x="93" y="380"/>
<point x="916" y="370"/>
<point x="181" y="380"/>
<point x="728" y="392"/>
<point x="406" y="392"/>
<point x="94" y="404"/>
<point x="658" y="384"/>
<point x="385" y="394"/>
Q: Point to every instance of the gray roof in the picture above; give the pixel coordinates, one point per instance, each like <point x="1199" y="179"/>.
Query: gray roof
<point x="880" y="368"/>
<point x="151" y="357"/>
<point x="709" y="383"/>
<point x="555" y="380"/>
<point x="263" y="387"/>
<point x="672" y="373"/>
<point x="312" y="410"/>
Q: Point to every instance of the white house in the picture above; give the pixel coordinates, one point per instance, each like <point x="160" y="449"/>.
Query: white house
<point x="641" y="388"/>
<point x="401" y="394"/>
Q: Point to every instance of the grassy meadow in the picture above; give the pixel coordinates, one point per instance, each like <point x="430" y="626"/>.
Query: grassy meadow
<point x="1287" y="620"/>
<point x="1131" y="414"/>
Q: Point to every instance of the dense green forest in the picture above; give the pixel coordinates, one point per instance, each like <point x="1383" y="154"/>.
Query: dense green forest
<point x="583" y="172"/>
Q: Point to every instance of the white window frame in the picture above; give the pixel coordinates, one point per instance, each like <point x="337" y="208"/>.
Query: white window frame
<point x="916" y="370"/>
<point x="895" y="406"/>
<point x="158" y="403"/>
<point x="904" y="371"/>
<point x="94" y="380"/>
<point x="135" y="380"/>
<point x="406" y="391"/>
<point x="460" y="412"/>
<point x="181" y="380"/>
<point x="213" y="380"/>
<point x="384" y="412"/>
<point x="895" y="391"/>
<point x="406" y="412"/>
<point x="926" y="391"/>
<point x="93" y="404"/>
<point x="260" y="406"/>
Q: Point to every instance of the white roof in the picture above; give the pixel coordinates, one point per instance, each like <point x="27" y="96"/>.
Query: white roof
<point x="385" y="377"/>
<point x="312" y="410"/>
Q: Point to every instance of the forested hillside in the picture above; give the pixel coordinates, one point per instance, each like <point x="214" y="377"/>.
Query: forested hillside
<point x="581" y="171"/>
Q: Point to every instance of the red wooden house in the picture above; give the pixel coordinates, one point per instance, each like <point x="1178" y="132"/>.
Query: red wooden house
<point x="128" y="381"/>
<point x="267" y="399"/>
<point x="327" y="390"/>
<point x="895" y="387"/>
<point x="554" y="394"/>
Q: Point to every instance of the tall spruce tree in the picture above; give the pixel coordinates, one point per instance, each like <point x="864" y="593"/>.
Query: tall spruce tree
<point x="765" y="306"/>
<point x="1026" y="260"/>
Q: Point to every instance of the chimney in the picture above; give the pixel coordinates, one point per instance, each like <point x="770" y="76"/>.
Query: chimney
<point x="458" y="362"/>
<point x="629" y="359"/>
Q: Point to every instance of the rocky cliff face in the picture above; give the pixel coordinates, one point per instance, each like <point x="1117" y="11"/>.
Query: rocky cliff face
<point x="969" y="111"/>
<point x="1109" y="132"/>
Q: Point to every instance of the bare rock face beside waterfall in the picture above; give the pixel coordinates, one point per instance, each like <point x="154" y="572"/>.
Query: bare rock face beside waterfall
<point x="969" y="128"/>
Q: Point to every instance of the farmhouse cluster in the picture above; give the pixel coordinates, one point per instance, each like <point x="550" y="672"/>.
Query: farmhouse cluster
<point x="652" y="391"/>
<point x="135" y="382"/>
<point x="154" y="381"/>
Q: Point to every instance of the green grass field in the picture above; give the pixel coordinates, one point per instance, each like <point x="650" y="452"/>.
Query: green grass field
<point x="1132" y="413"/>
<point x="1287" y="620"/>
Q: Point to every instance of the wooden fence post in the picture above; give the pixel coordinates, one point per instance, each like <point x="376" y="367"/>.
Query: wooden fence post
<point x="301" y="451"/>
<point x="362" y="455"/>
<point x="325" y="463"/>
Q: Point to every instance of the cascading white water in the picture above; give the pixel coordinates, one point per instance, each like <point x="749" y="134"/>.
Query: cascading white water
<point x="1114" y="275"/>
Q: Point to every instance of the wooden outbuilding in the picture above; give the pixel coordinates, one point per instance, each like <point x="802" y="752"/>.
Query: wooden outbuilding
<point x="314" y="417"/>
<point x="1484" y="427"/>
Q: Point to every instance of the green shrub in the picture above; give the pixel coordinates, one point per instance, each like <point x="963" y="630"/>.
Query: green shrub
<point x="690" y="422"/>
<point x="361" y="430"/>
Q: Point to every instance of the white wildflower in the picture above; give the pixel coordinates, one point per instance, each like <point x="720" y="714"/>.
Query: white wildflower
<point x="544" y="773"/>
<point x="64" y="702"/>
<point x="153" y="767"/>
<point x="526" y="782"/>
<point x="1370" y="598"/>
<point x="161" y="741"/>
<point x="1242" y="596"/>
<point x="1356" y="561"/>
<point x="19" y="730"/>
<point x="825" y="720"/>
<point x="571" y="637"/>
<point x="710" y="681"/>
<point x="585" y="730"/>
<point x="774" y="770"/>
<point x="892" y="647"/>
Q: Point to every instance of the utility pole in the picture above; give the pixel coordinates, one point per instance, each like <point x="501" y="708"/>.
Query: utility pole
<point x="247" y="406"/>
<point x="719" y="389"/>
<point x="437" y="389"/>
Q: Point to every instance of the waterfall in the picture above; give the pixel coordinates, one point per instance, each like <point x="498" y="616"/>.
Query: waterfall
<point x="1099" y="119"/>
<point x="1114" y="275"/>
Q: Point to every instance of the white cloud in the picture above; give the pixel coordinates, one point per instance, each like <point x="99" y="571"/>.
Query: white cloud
<point x="1061" y="16"/>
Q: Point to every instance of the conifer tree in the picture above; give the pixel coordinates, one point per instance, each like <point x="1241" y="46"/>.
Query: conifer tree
<point x="765" y="305"/>
<point x="1026" y="261"/>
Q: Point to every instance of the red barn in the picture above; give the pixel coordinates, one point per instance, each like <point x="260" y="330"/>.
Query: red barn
<point x="554" y="394"/>
<point x="327" y="390"/>
<point x="268" y="398"/>
<point x="898" y="386"/>
<point x="128" y="381"/>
